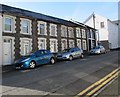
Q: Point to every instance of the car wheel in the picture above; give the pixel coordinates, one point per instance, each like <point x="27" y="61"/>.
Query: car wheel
<point x="70" y="58"/>
<point x="52" y="60"/>
<point x="82" y="56"/>
<point x="105" y="52"/>
<point x="32" y="64"/>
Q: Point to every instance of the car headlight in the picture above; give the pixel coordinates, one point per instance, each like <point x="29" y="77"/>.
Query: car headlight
<point x="26" y="60"/>
<point x="67" y="56"/>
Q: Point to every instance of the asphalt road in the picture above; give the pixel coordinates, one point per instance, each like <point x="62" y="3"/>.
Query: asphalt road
<point x="65" y="78"/>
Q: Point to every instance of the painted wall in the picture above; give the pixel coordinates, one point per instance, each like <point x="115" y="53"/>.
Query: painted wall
<point x="113" y="35"/>
<point x="0" y="39"/>
<point x="103" y="32"/>
<point x="119" y="34"/>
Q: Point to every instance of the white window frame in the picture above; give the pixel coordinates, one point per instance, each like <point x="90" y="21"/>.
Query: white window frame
<point x="39" y="40"/>
<point x="55" y="29"/>
<point x="22" y="41"/>
<point x="62" y="42"/>
<point x="70" y="32"/>
<point x="83" y="33"/>
<point x="80" y="46"/>
<point x="73" y="43"/>
<point x="78" y="33"/>
<point x="45" y="27"/>
<point x="29" y="26"/>
<point x="64" y="32"/>
<point x="84" y="45"/>
<point x="56" y="44"/>
<point x="12" y="23"/>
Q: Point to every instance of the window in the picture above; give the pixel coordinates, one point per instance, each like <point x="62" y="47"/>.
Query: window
<point x="25" y="26"/>
<point x="53" y="45"/>
<point x="64" y="44"/>
<point x="42" y="28"/>
<point x="42" y="44"/>
<point x="83" y="33"/>
<point x="53" y="30"/>
<point x="63" y="31"/>
<point x="71" y="43"/>
<point x="71" y="33"/>
<point x="84" y="45"/>
<point x="8" y="24"/>
<point x="79" y="43"/>
<point x="78" y="33"/>
<point x="26" y="47"/>
<point x="102" y="24"/>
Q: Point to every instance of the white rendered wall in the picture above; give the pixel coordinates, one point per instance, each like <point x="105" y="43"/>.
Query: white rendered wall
<point x="119" y="35"/>
<point x="103" y="32"/>
<point x="1" y="40"/>
<point x="113" y="35"/>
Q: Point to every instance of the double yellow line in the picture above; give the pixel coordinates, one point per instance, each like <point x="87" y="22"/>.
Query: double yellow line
<point x="91" y="90"/>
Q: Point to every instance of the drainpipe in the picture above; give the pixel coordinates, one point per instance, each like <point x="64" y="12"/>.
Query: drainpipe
<point x="95" y="27"/>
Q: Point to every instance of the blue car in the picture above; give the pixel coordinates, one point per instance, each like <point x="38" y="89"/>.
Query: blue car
<point x="70" y="53"/>
<point x="37" y="58"/>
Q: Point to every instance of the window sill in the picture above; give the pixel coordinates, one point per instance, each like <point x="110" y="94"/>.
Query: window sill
<point x="8" y="31"/>
<point x="25" y="33"/>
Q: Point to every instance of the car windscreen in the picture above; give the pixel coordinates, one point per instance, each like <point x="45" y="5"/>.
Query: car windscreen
<point x="66" y="50"/>
<point x="97" y="47"/>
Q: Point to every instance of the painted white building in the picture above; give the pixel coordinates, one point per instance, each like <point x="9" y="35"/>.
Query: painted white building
<point x="118" y="24"/>
<point x="107" y="30"/>
<point x="113" y="34"/>
<point x="0" y="38"/>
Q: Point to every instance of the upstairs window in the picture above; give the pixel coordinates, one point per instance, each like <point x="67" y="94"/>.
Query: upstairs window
<point x="83" y="33"/>
<point x="71" y="33"/>
<point x="102" y="25"/>
<point x="25" y="26"/>
<point x="78" y="33"/>
<point x="8" y="24"/>
<point x="63" y="31"/>
<point x="42" y="28"/>
<point x="53" y="30"/>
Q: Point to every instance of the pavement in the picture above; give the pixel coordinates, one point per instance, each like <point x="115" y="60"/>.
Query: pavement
<point x="7" y="68"/>
<point x="66" y="78"/>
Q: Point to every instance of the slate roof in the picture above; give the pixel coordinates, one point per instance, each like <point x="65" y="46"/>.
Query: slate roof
<point x="39" y="16"/>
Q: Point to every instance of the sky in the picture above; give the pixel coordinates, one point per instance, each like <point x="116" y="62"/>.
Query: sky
<point x="78" y="11"/>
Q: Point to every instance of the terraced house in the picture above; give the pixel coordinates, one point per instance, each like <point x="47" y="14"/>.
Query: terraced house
<point x="23" y="31"/>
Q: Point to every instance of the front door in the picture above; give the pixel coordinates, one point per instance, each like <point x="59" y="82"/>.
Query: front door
<point x="7" y="51"/>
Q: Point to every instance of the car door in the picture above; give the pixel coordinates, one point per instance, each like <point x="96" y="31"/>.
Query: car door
<point x="47" y="56"/>
<point x="40" y="57"/>
<point x="78" y="52"/>
<point x="73" y="52"/>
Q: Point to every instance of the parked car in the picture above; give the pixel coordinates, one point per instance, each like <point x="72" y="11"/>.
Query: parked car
<point x="70" y="53"/>
<point x="98" y="50"/>
<point x="37" y="58"/>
